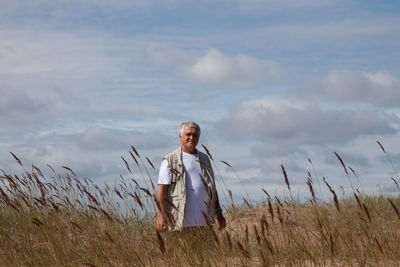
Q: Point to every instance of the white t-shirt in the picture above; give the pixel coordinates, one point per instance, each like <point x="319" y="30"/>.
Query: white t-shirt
<point x="196" y="192"/>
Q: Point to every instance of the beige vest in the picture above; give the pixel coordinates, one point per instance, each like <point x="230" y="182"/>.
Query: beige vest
<point x="177" y="189"/>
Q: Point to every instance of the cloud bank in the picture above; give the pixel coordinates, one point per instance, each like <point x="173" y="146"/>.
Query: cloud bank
<point x="379" y="88"/>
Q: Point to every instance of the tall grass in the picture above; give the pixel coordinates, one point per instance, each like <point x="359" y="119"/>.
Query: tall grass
<point x="65" y="220"/>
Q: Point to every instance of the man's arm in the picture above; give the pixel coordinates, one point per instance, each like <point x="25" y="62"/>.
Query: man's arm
<point x="162" y="218"/>
<point x="220" y="218"/>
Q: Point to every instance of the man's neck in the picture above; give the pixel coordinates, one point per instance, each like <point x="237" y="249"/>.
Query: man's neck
<point x="189" y="152"/>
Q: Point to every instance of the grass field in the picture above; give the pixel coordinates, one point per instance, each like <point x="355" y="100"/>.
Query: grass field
<point x="65" y="220"/>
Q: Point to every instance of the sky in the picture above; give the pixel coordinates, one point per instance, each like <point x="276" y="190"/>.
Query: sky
<point x="270" y="82"/>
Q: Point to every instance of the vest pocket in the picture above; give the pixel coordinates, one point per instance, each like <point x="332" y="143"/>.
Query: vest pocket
<point x="175" y="212"/>
<point x="176" y="174"/>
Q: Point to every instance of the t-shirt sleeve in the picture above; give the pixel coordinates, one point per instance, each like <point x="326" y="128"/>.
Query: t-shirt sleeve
<point x="165" y="175"/>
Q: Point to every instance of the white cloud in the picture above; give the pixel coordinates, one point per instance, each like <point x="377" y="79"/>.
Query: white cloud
<point x="296" y="122"/>
<point x="353" y="28"/>
<point x="29" y="51"/>
<point x="349" y="38"/>
<point x="13" y="104"/>
<point x="165" y="55"/>
<point x="377" y="88"/>
<point x="217" y="68"/>
<point x="50" y="78"/>
<point x="97" y="138"/>
<point x="288" y="130"/>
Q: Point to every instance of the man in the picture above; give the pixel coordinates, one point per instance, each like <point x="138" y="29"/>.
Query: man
<point x="186" y="191"/>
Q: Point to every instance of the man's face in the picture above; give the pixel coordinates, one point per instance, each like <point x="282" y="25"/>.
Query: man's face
<point x="189" y="139"/>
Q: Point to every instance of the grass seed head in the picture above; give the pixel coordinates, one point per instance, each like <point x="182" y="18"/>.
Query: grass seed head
<point x="285" y="176"/>
<point x="394" y="207"/>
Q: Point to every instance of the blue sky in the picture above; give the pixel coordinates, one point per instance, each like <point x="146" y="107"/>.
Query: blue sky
<point x="270" y="83"/>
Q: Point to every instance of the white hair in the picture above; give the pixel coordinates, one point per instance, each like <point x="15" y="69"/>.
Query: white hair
<point x="190" y="124"/>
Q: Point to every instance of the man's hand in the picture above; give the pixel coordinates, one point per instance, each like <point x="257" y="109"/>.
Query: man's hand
<point x="161" y="224"/>
<point x="221" y="220"/>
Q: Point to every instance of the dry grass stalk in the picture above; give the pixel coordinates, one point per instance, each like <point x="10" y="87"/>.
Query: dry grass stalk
<point x="69" y="169"/>
<point x="358" y="201"/>
<point x="265" y="191"/>
<point x="331" y="244"/>
<point x="134" y="150"/>
<point x="335" y="198"/>
<point x="280" y="217"/>
<point x="160" y="243"/>
<point x="247" y="203"/>
<point x="256" y="234"/>
<point x="353" y="171"/>
<point x="16" y="158"/>
<point x="379" y="245"/>
<point x="310" y="187"/>
<point x="341" y="162"/>
<point x="264" y="225"/>
<point x="228" y="237"/>
<point x="286" y="177"/>
<point x="366" y="212"/>
<point x="210" y="227"/>
<point x="226" y="163"/>
<point x="394" y="207"/>
<point x="207" y="151"/>
<point x="203" y="181"/>
<point x="37" y="222"/>
<point x="247" y="234"/>
<point x="381" y="146"/>
<point x="244" y="252"/>
<point x="397" y="185"/>
<point x="270" y="210"/>
<point x="388" y="158"/>
<point x="109" y="237"/>
<point x="269" y="245"/>
<point x="77" y="226"/>
<point x="133" y="157"/>
<point x="151" y="164"/>
<point x="263" y="260"/>
<point x="126" y="164"/>
<point x="108" y="216"/>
